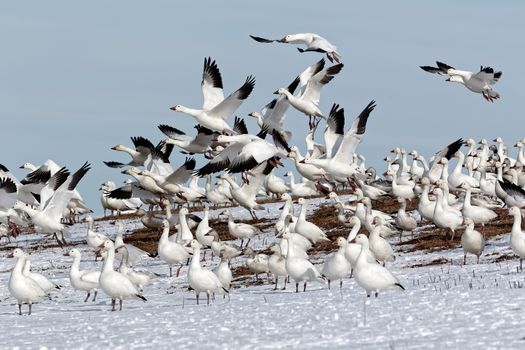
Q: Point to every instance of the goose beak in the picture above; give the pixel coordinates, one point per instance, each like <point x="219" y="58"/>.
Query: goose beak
<point x="101" y="245"/>
<point x="283" y="40"/>
<point x="173" y="108"/>
<point x="11" y="255"/>
<point x="65" y="254"/>
<point x="447" y="79"/>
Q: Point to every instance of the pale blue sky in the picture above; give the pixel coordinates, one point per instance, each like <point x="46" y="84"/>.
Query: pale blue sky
<point x="77" y="78"/>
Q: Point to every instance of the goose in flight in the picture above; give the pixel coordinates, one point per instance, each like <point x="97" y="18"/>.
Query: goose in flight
<point x="479" y="82"/>
<point x="313" y="42"/>
<point x="190" y="145"/>
<point x="308" y="101"/>
<point x="216" y="108"/>
<point x="143" y="147"/>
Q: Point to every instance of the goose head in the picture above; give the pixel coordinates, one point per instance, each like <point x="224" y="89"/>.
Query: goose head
<point x="177" y="108"/>
<point x="183" y="211"/>
<point x="361" y="239"/>
<point x="468" y="222"/>
<point x="341" y="242"/>
<point x="17" y="253"/>
<point x="106" y="245"/>
<point x="455" y="79"/>
<point x="282" y="91"/>
<point x="515" y="211"/>
<point x="73" y="252"/>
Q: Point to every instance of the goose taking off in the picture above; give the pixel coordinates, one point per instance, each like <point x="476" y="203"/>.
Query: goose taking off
<point x="313" y="42"/>
<point x="308" y="101"/>
<point x="216" y="108"/>
<point x="479" y="82"/>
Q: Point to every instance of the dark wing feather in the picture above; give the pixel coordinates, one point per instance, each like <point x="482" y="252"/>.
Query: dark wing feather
<point x="211" y="73"/>
<point x="78" y="175"/>
<point x="170" y="131"/>
<point x="113" y="164"/>
<point x="239" y="126"/>
<point x="140" y="141"/>
<point x="261" y="40"/>
<point x="363" y="117"/>
<point x="37" y="176"/>
<point x="280" y="141"/>
<point x="336" y="119"/>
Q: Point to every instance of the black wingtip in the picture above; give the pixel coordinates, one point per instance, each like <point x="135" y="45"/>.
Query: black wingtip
<point x="141" y="297"/>
<point x="399" y="285"/>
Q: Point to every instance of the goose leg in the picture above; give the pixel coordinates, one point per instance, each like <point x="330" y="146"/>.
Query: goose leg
<point x="120" y="304"/>
<point x="197" y="297"/>
<point x="30" y="306"/>
<point x="465" y="259"/>
<point x="58" y="240"/>
<point x="249" y="239"/>
<point x="208" y="298"/>
<point x="328" y="284"/>
<point x="87" y="297"/>
<point x="95" y="296"/>
<point x="113" y="304"/>
<point x="478" y="259"/>
<point x="304" y="288"/>
<point x="20" y="309"/>
<point x="171" y="274"/>
<point x="521" y="264"/>
<point x="178" y="270"/>
<point x="276" y="280"/>
<point x="341" y="283"/>
<point x="297" y="287"/>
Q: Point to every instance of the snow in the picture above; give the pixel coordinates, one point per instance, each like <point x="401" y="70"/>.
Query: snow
<point x="451" y="305"/>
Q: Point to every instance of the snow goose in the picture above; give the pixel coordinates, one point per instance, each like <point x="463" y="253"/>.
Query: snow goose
<point x="415" y="169"/>
<point x="200" y="279"/>
<point x="146" y="183"/>
<point x="301" y="189"/>
<point x="275" y="185"/>
<point x="48" y="218"/>
<point x="46" y="285"/>
<point x="479" y="82"/>
<point x="277" y="265"/>
<point x="353" y="249"/>
<point x="308" y="101"/>
<point x="341" y="165"/>
<point x="517" y="236"/>
<point x="379" y="246"/>
<point x="471" y="241"/>
<point x="403" y="220"/>
<point x="336" y="266"/>
<point x="247" y="194"/>
<point x="201" y="143"/>
<point x="93" y="238"/>
<point x="113" y="204"/>
<point x="308" y="171"/>
<point x="214" y="195"/>
<point x="286" y="210"/>
<point x="256" y="262"/>
<point x="445" y="216"/>
<point x="134" y="255"/>
<point x="456" y="177"/>
<point x="169" y="251"/>
<point x="405" y="191"/>
<point x="226" y="250"/>
<point x="240" y="230"/>
<point x="172" y="182"/>
<point x="24" y="289"/>
<point x="23" y="192"/>
<point x="314" y="42"/>
<point x="273" y="114"/>
<point x="224" y="274"/>
<point x="8" y="196"/>
<point x="83" y="280"/>
<point x="216" y="108"/>
<point x="185" y="234"/>
<point x="425" y="206"/>
<point x="139" y="277"/>
<point x="143" y="147"/>
<point x="116" y="284"/>
<point x="306" y="228"/>
<point x="298" y="267"/>
<point x="478" y="215"/>
<point x="204" y="233"/>
<point x="372" y="277"/>
<point x="514" y="196"/>
<point x="302" y="244"/>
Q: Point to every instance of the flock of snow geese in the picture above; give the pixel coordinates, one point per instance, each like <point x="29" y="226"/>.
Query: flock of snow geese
<point x="46" y="198"/>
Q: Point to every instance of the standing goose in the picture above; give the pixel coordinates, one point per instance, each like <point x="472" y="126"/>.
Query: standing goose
<point x="87" y="281"/>
<point x="471" y="241"/>
<point x="404" y="221"/>
<point x="241" y="230"/>
<point x="224" y="273"/>
<point x="306" y="228"/>
<point x="298" y="267"/>
<point x="139" y="277"/>
<point x="93" y="238"/>
<point x="277" y="265"/>
<point x="46" y="285"/>
<point x="336" y="266"/>
<point x="353" y="249"/>
<point x="24" y="289"/>
<point x="115" y="284"/>
<point x="477" y="214"/>
<point x="134" y="254"/>
<point x="517" y="236"/>
<point x="200" y="279"/>
<point x="372" y="277"/>
<point x="171" y="252"/>
<point x="379" y="246"/>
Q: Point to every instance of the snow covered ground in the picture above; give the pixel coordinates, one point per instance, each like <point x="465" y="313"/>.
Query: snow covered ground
<point x="444" y="306"/>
